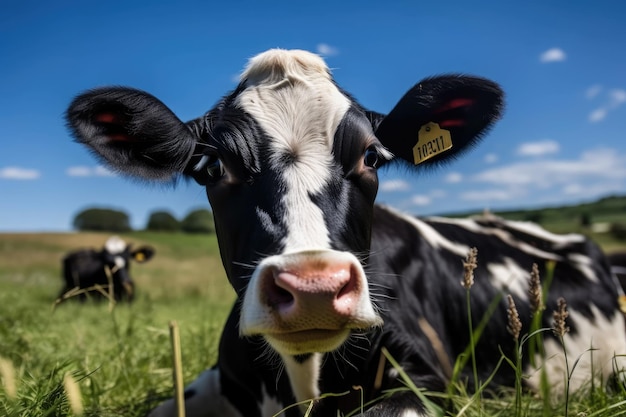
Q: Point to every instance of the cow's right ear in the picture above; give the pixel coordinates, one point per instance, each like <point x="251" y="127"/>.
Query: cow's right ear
<point x="439" y="118"/>
<point x="132" y="132"/>
<point x="143" y="254"/>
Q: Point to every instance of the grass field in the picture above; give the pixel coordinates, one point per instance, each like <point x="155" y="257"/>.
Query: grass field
<point x="121" y="359"/>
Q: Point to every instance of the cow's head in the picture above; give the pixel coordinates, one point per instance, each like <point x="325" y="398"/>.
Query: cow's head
<point x="289" y="162"/>
<point x="116" y="256"/>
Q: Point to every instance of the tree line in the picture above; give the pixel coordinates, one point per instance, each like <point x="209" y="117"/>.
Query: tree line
<point x="109" y="220"/>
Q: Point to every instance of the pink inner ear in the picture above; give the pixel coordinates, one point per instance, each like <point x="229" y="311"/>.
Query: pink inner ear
<point x="452" y="123"/>
<point x="106" y="118"/>
<point x="451" y="105"/>
<point x="111" y="119"/>
<point x="455" y="104"/>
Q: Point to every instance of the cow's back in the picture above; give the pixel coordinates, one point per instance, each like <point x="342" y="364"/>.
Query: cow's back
<point x="83" y="262"/>
<point x="422" y="260"/>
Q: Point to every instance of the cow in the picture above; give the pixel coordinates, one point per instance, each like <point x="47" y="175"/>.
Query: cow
<point x="331" y="286"/>
<point x="98" y="274"/>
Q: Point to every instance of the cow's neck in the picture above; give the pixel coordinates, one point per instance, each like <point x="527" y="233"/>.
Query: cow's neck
<point x="304" y="376"/>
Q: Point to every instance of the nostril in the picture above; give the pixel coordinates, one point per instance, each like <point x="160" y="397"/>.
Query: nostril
<point x="277" y="296"/>
<point x="350" y="287"/>
<point x="276" y="290"/>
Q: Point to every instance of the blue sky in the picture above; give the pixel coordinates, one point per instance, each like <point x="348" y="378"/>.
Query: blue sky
<point x="561" y="63"/>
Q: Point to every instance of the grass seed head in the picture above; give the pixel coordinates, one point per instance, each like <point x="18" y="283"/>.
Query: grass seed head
<point x="559" y="316"/>
<point x="469" y="265"/>
<point x="7" y="372"/>
<point x="535" y="294"/>
<point x="514" y="325"/>
<point x="73" y="394"/>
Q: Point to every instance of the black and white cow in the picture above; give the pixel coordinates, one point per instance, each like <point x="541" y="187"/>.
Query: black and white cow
<point x="324" y="277"/>
<point x="90" y="272"/>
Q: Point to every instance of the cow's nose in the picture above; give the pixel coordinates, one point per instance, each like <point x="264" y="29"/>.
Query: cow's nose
<point x="311" y="288"/>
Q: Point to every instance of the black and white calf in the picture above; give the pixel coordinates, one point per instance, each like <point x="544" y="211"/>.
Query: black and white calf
<point x="325" y="278"/>
<point x="86" y="269"/>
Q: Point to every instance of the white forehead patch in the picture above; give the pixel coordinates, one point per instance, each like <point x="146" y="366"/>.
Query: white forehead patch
<point x="114" y="245"/>
<point x="293" y="98"/>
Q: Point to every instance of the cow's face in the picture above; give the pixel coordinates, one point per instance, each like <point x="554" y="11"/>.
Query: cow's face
<point x="116" y="256"/>
<point x="289" y="163"/>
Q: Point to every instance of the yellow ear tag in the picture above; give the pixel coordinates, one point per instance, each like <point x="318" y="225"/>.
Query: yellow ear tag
<point x="622" y="303"/>
<point x="432" y="140"/>
<point x="140" y="257"/>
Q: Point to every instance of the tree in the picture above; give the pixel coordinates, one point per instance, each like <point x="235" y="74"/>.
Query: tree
<point x="534" y="216"/>
<point x="198" y="221"/>
<point x="101" y="219"/>
<point x="618" y="231"/>
<point x="162" y="221"/>
<point x="585" y="219"/>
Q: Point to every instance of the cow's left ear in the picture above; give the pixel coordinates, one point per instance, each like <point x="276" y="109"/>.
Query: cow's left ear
<point x="439" y="118"/>
<point x="132" y="132"/>
<point x="142" y="254"/>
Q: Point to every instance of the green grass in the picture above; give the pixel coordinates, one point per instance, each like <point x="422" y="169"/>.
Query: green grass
<point x="121" y="359"/>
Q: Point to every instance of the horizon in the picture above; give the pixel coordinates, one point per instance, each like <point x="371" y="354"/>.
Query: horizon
<point x="560" y="141"/>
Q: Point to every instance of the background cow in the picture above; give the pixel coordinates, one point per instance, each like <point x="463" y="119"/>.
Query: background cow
<point x="85" y="269"/>
<point x="325" y="278"/>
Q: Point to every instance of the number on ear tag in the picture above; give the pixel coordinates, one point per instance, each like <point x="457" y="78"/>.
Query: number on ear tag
<point x="432" y="140"/>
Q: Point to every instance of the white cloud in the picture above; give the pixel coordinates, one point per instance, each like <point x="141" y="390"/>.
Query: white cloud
<point x="454" y="178"/>
<point x="83" y="171"/>
<point x="327" y="50"/>
<point x="394" y="185"/>
<point x="438" y="193"/>
<point x="543" y="147"/>
<point x="593" y="91"/>
<point x="615" y="98"/>
<point x="491" y="195"/>
<point x="553" y="55"/>
<point x="593" y="173"/>
<point x="598" y="115"/>
<point x="595" y="164"/>
<point x="16" y="173"/>
<point x="593" y="188"/>
<point x="421" y="200"/>
<point x="490" y="158"/>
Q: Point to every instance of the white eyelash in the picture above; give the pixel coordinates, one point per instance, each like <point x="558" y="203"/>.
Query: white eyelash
<point x="201" y="163"/>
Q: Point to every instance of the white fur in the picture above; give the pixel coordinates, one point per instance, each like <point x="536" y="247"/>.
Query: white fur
<point x="434" y="238"/>
<point x="119" y="262"/>
<point x="304" y="376"/>
<point x="536" y="230"/>
<point x="509" y="277"/>
<point x="270" y="406"/>
<point x="114" y="245"/>
<point x="579" y="261"/>
<point x="604" y="336"/>
<point x="506" y="237"/>
<point x="412" y="413"/>
<point x="207" y="401"/>
<point x="585" y="265"/>
<point x="292" y="96"/>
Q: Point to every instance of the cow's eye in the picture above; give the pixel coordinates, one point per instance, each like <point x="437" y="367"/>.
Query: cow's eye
<point x="214" y="167"/>
<point x="371" y="157"/>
